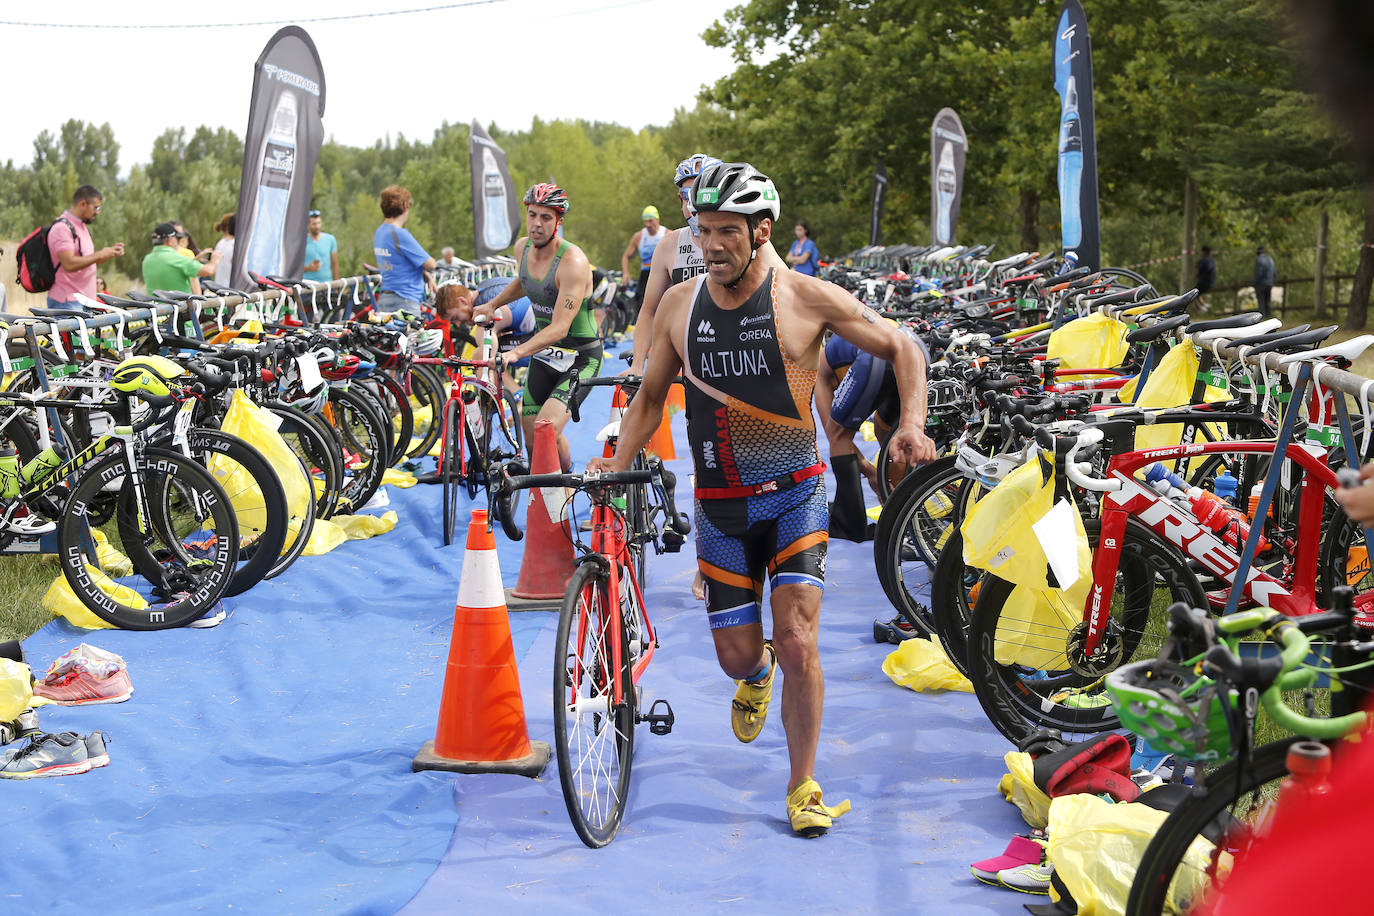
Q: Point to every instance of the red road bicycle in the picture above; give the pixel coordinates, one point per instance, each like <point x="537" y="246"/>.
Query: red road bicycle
<point x="604" y="643"/>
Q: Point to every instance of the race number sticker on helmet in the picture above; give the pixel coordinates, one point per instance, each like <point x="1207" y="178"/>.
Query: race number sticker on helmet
<point x="736" y="187"/>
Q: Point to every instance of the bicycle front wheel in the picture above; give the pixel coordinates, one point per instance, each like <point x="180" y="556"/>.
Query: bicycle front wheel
<point x="186" y="525"/>
<point x="593" y="732"/>
<point x="1194" y="849"/>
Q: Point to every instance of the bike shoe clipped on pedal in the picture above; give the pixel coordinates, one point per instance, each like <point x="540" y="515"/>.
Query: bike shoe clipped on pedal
<point x="660" y="723"/>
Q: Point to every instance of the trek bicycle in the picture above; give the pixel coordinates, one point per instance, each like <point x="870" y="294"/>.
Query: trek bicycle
<point x="603" y="645"/>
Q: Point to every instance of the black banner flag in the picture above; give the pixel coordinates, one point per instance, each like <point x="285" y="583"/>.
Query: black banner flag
<point x="875" y="227"/>
<point x="948" y="147"/>
<point x="280" y="150"/>
<point x="1073" y="80"/>
<point x="495" y="204"/>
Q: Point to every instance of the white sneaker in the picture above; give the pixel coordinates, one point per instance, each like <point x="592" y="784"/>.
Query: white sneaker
<point x="1028" y="879"/>
<point x="211" y="618"/>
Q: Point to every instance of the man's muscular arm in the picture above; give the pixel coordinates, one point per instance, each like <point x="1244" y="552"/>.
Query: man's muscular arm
<point x="660" y="277"/>
<point x="574" y="281"/>
<point x="861" y="326"/>
<point x="646" y="410"/>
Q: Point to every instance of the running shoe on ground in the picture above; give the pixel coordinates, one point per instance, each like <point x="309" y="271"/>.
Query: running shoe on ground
<point x="62" y="754"/>
<point x="1028" y="879"/>
<point x="809" y="814"/>
<point x="95" y="749"/>
<point x="749" y="708"/>
<point x="1022" y="850"/>
<point x="22" y="727"/>
<point x="81" y="687"/>
<point x="211" y="618"/>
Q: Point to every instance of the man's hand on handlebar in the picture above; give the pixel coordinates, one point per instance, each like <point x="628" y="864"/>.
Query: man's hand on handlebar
<point x="605" y="466"/>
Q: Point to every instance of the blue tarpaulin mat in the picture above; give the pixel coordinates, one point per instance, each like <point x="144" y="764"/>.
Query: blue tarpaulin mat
<point x="264" y="766"/>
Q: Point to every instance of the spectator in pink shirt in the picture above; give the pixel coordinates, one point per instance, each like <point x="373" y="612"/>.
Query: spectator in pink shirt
<point x="73" y="253"/>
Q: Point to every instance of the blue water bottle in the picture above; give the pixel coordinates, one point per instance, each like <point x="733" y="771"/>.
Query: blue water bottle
<point x="1225" y="486"/>
<point x="1070" y="168"/>
<point x="274" y="190"/>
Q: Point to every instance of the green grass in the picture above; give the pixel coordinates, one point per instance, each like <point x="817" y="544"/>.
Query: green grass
<point x="23" y="582"/>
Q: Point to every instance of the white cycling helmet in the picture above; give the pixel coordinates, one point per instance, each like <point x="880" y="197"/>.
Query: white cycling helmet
<point x="736" y="187"/>
<point x="692" y="166"/>
<point x="428" y="342"/>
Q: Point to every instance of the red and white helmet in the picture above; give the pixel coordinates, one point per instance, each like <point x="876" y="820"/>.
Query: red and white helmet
<point x="548" y="194"/>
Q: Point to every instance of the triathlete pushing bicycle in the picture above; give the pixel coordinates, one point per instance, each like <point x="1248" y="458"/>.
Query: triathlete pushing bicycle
<point x="557" y="278"/>
<point x="746" y="336"/>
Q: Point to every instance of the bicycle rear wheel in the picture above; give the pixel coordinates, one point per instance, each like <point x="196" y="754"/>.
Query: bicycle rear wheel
<point x="593" y="733"/>
<point x="1195" y="847"/>
<point x="1026" y="659"/>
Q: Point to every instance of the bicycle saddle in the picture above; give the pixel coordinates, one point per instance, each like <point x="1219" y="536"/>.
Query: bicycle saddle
<point x="1243" y="320"/>
<point x="1235" y="335"/>
<point x="1348" y="350"/>
<point x="60" y="313"/>
<point x="1293" y="343"/>
<point x="1156" y="330"/>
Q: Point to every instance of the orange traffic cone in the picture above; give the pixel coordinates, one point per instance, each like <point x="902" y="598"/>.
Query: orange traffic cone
<point x="612" y="428"/>
<point x="549" y="561"/>
<point x="677" y="398"/>
<point x="481" y="715"/>
<point x="661" y="443"/>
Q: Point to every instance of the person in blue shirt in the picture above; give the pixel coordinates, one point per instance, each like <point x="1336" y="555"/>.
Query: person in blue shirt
<point x="321" y="252"/>
<point x="804" y="256"/>
<point x="402" y="260"/>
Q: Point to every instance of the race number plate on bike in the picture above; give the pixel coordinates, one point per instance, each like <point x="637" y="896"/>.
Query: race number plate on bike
<point x="182" y="423"/>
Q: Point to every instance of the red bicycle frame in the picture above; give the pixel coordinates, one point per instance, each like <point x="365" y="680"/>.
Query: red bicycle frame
<point x="1178" y="527"/>
<point x="608" y="542"/>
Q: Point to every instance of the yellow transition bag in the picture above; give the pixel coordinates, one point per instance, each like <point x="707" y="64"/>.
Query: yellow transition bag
<point x="1170" y="385"/>
<point x="997" y="528"/>
<point x="258" y="427"/>
<point x="1094" y="342"/>
<point x="16" y="692"/>
<point x="1096" y="846"/>
<point x="1018" y="787"/>
<point x="61" y="601"/>
<point x="921" y="664"/>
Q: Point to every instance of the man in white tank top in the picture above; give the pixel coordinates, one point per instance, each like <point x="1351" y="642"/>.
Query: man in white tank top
<point x="686" y="261"/>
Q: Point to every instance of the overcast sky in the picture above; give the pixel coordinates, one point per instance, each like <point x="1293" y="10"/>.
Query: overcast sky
<point x="631" y="63"/>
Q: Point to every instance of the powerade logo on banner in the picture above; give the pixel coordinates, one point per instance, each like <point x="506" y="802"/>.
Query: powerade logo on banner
<point x="1077" y="137"/>
<point x="280" y="149"/>
<point x="948" y="149"/>
<point x="495" y="204"/>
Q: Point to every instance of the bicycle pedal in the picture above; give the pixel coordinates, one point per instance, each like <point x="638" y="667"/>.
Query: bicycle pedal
<point x="660" y="723"/>
<point x="672" y="541"/>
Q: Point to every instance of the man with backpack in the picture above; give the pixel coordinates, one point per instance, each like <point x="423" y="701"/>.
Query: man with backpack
<point x="72" y="252"/>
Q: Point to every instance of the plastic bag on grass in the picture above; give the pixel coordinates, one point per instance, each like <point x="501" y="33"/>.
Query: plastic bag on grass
<point x="16" y="690"/>
<point x="258" y="427"/>
<point x="1094" y="342"/>
<point x="921" y="664"/>
<point x="1096" y="846"/>
<point x="61" y="601"/>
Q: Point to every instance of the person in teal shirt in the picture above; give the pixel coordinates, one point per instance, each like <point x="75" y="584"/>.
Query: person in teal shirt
<point x="166" y="268"/>
<point x="321" y="252"/>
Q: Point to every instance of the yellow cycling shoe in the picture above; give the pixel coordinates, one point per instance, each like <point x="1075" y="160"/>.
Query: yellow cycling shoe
<point x="810" y="816"/>
<point x="749" y="708"/>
